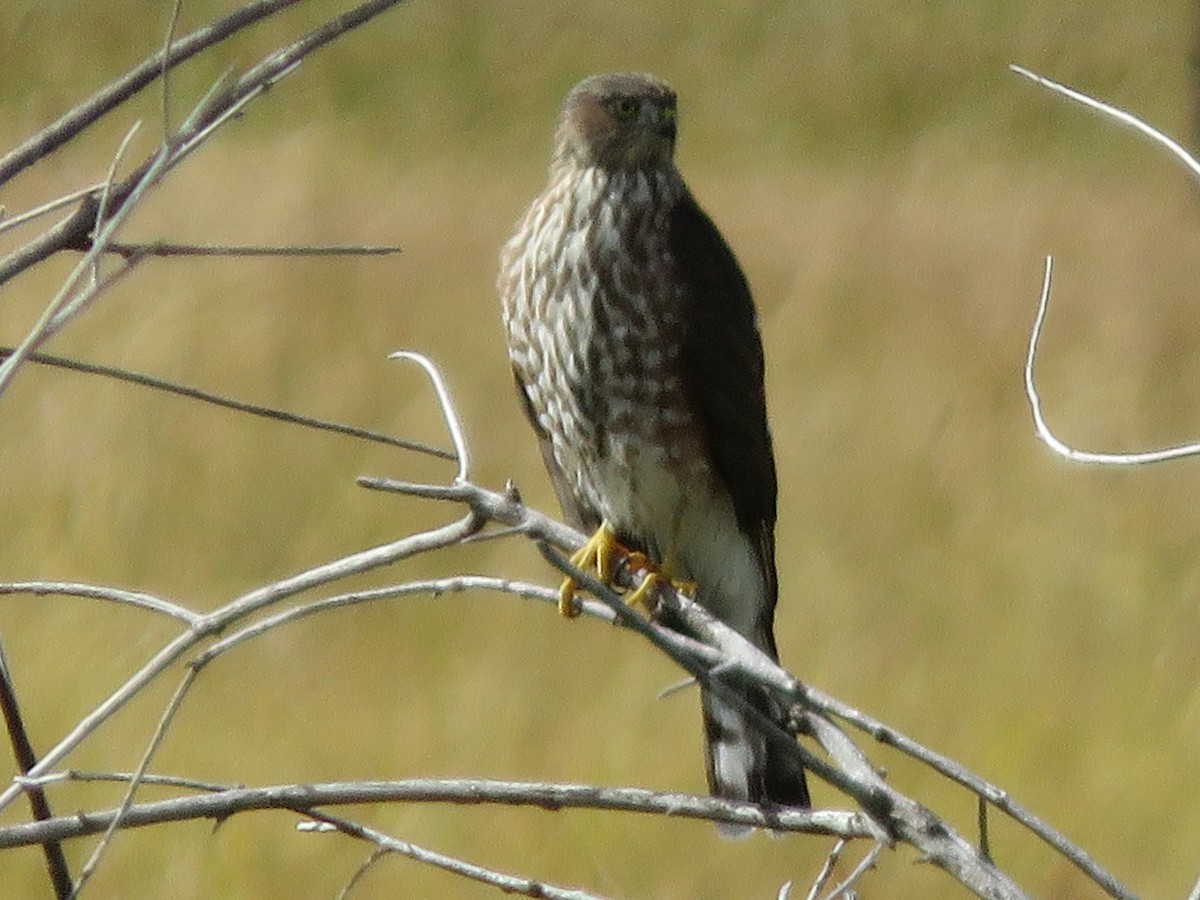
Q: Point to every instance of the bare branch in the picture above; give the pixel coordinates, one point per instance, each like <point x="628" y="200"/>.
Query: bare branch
<point x="49" y="206"/>
<point x="166" y="249"/>
<point x="304" y="799"/>
<point x="213" y="111"/>
<point x="864" y="865"/>
<point x="104" y="101"/>
<point x="234" y="611"/>
<point x="160" y="732"/>
<point x="190" y="784"/>
<point x="1127" y="119"/>
<point x="241" y="406"/>
<point x="92" y="228"/>
<point x="98" y="592"/>
<point x="831" y="862"/>
<point x="18" y="738"/>
<point x="510" y="884"/>
<point x="1041" y="428"/>
<point x="106" y="190"/>
<point x="165" y="70"/>
<point x="433" y="587"/>
<point x="449" y="415"/>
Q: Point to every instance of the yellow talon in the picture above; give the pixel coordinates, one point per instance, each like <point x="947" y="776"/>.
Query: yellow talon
<point x="595" y="555"/>
<point x="655" y="575"/>
<point x="638" y="596"/>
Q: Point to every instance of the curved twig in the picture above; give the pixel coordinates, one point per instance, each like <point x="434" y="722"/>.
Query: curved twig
<point x="1035" y="404"/>
<point x="1042" y="430"/>
<point x="1127" y="119"/>
<point x="136" y="599"/>
<point x="449" y="415"/>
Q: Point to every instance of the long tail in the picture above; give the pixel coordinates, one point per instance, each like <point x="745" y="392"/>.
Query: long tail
<point x="743" y="764"/>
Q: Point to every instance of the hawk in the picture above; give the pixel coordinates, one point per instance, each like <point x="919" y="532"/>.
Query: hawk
<point x="635" y="347"/>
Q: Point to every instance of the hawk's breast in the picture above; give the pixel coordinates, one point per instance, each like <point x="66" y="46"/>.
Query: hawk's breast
<point x="594" y="320"/>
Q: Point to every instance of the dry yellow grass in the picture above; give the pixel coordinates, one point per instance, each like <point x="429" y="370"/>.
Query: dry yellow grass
<point x="891" y="192"/>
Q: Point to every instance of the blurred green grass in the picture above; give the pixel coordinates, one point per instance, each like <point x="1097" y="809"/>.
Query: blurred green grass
<point x="891" y="191"/>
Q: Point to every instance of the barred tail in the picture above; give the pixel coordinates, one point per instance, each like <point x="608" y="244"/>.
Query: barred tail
<point x="743" y="764"/>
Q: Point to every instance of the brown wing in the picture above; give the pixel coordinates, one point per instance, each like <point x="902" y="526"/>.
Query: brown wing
<point x="723" y="371"/>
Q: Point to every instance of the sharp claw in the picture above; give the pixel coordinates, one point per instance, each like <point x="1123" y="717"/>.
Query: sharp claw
<point x="597" y="555"/>
<point x="568" y="606"/>
<point x="640" y="595"/>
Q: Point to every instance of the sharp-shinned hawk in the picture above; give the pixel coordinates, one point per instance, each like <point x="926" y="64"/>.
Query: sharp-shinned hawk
<point x="635" y="345"/>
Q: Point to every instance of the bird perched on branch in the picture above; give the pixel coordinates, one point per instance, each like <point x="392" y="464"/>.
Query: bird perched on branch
<point x="635" y="346"/>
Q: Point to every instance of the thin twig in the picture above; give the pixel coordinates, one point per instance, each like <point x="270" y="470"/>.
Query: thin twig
<point x="373" y="857"/>
<point x="254" y="409"/>
<point x="446" y="404"/>
<point x="433" y="587"/>
<point x="234" y="611"/>
<point x="1042" y="430"/>
<point x="864" y="865"/>
<point x="18" y="737"/>
<point x="150" y="778"/>
<point x="106" y="190"/>
<point x="121" y="596"/>
<point x="66" y="303"/>
<point x="167" y="249"/>
<point x="48" y="207"/>
<point x="827" y="868"/>
<point x="104" y="101"/>
<point x="509" y="884"/>
<point x="1124" y="118"/>
<point x="48" y="323"/>
<point x="156" y="739"/>
<point x="165" y="70"/>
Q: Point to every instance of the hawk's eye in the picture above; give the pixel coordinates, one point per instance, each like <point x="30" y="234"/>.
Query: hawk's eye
<point x="624" y="108"/>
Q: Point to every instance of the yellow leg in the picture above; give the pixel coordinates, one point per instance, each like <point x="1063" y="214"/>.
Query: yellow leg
<point x="595" y="555"/>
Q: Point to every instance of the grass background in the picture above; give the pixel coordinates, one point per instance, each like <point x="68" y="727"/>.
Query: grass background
<point x="891" y="191"/>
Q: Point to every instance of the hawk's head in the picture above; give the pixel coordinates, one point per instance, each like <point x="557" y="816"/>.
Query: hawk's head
<point x="617" y="121"/>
